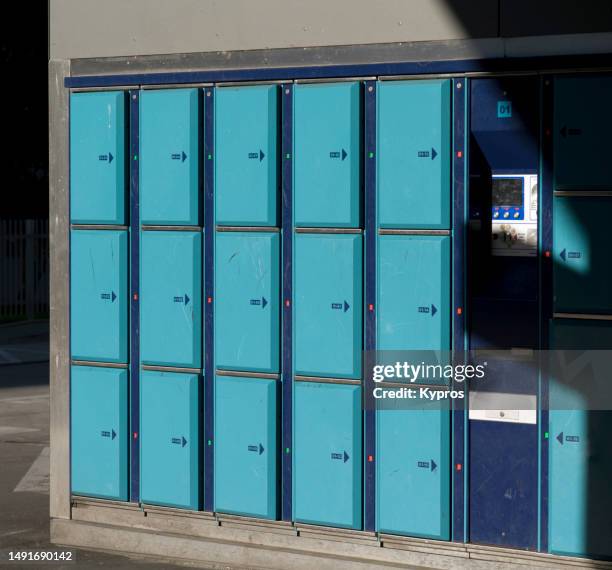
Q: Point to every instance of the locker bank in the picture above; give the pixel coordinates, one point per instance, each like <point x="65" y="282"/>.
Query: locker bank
<point x="236" y="229"/>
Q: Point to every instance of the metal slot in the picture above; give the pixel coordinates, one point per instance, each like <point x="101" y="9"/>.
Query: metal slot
<point x="324" y="380"/>
<point x="583" y="193"/>
<point x="328" y="231"/>
<point x="400" y="232"/>
<point x="334" y="80"/>
<point x="171" y="369"/>
<point x="173" y="86"/>
<point x="247" y="229"/>
<point x="99" y="364"/>
<point x="582" y="316"/>
<point x="222" y="84"/>
<point x="241" y="374"/>
<point x="171" y="228"/>
<point x="125" y="88"/>
<point x="96" y="227"/>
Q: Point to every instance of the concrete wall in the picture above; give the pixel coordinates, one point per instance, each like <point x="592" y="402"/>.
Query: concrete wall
<point x="91" y="28"/>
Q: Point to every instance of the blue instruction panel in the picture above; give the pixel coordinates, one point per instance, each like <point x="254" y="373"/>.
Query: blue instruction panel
<point x="246" y="449"/>
<point x="97" y="158"/>
<point x="414" y="292"/>
<point x="413" y="471"/>
<point x="246" y="158"/>
<point x="247" y="301"/>
<point x="327" y="143"/>
<point x="414" y="159"/>
<point x="327" y="305"/>
<point x="581" y="252"/>
<point x="171" y="298"/>
<point x="99" y="432"/>
<point x="170" y="439"/>
<point x="99" y="295"/>
<point x="169" y="157"/>
<point x="327" y="463"/>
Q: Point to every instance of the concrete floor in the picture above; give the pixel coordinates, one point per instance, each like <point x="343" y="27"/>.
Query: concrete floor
<point x="24" y="464"/>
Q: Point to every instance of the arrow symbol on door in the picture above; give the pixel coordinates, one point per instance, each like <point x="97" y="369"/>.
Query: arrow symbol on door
<point x="338" y="154"/>
<point x="112" y="434"/>
<point x="182" y="299"/>
<point x="179" y="156"/>
<point x="259" y="302"/>
<point x="106" y="157"/>
<point x="179" y="441"/>
<point x="108" y="296"/>
<point x="259" y="449"/>
<point x="344" y="307"/>
<point x="344" y="456"/>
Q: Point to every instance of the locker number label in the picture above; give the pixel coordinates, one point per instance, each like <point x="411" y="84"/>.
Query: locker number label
<point x="504" y="109"/>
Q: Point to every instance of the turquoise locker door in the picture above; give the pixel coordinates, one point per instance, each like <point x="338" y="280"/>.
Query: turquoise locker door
<point x="582" y="133"/>
<point x="582" y="256"/>
<point x="169" y="439"/>
<point x="327" y="138"/>
<point x="247" y="302"/>
<point x="414" y="292"/>
<point x="580" y="457"/>
<point x="98" y="295"/>
<point x="328" y="312"/>
<point x="246" y="168"/>
<point x="99" y="432"/>
<point x="413" y="472"/>
<point x="170" y="298"/>
<point x="246" y="446"/>
<point x="327" y="464"/>
<point x="414" y="133"/>
<point x="97" y="158"/>
<point x="169" y="157"/>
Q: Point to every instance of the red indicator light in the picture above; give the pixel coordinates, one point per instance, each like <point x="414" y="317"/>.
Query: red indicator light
<point x="458" y="467"/>
<point x="209" y="300"/>
<point x="135" y="435"/>
<point x="287" y="303"/>
<point x="135" y="296"/>
<point x="371" y="307"/>
<point x="547" y="253"/>
<point x="459" y="310"/>
<point x="370" y="458"/>
<point x="459" y="154"/>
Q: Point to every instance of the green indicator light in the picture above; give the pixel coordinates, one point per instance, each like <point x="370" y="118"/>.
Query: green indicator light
<point x="371" y="155"/>
<point x="210" y="157"/>
<point x="288" y="155"/>
<point x="545" y="435"/>
<point x="287" y="450"/>
<point x="135" y="157"/>
<point x="210" y="442"/>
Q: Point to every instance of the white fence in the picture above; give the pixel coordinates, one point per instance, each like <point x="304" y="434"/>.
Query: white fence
<point x="24" y="269"/>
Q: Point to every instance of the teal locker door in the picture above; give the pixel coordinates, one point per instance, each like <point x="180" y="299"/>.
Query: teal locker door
<point x="327" y="138"/>
<point x="169" y="157"/>
<point x="247" y="301"/>
<point x="580" y="457"/>
<point x="582" y="255"/>
<point x="98" y="295"/>
<point x="328" y="312"/>
<point x="246" y="446"/>
<point x="414" y="292"/>
<point x="414" y="133"/>
<point x="413" y="471"/>
<point x="327" y="464"/>
<point x="99" y="432"/>
<point x="169" y="439"/>
<point x="246" y="168"/>
<point x="170" y="298"/>
<point x="97" y="158"/>
<point x="582" y="133"/>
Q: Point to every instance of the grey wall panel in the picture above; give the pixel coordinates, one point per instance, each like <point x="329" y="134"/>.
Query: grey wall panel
<point x="90" y="28"/>
<point x="59" y="350"/>
<point x="542" y="17"/>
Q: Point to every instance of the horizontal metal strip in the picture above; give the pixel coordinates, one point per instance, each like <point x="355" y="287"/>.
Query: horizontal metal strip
<point x="151" y="228"/>
<point x="247" y="229"/>
<point x="97" y="227"/>
<point x="328" y="230"/>
<point x="182" y="86"/>
<point x="325" y="380"/>
<point x="401" y="232"/>
<point x="335" y="80"/>
<point x="583" y="193"/>
<point x="154" y="368"/>
<point x="243" y="374"/>
<point x="582" y="316"/>
<point x="98" y="364"/>
<point x="97" y="89"/>
<point x="85" y="501"/>
<point x="222" y="84"/>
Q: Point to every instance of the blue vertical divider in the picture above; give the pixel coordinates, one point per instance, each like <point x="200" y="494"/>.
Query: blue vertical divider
<point x="545" y="295"/>
<point x="134" y="395"/>
<point x="370" y="236"/>
<point x="459" y="171"/>
<point x="209" y="285"/>
<point x="287" y="300"/>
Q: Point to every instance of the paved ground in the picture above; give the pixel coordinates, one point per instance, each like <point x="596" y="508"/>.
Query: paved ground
<point x="24" y="446"/>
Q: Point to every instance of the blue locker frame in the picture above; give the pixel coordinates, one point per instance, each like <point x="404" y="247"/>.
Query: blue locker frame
<point x="459" y="174"/>
<point x="286" y="106"/>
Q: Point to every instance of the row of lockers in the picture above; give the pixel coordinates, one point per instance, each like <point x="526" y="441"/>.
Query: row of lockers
<point x="414" y="132"/>
<point x="413" y="458"/>
<point x="328" y="312"/>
